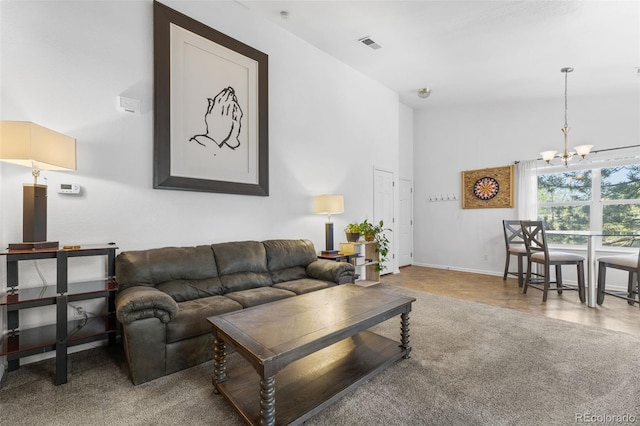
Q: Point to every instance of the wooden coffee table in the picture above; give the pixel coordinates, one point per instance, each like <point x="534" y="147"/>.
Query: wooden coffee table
<point x="307" y="350"/>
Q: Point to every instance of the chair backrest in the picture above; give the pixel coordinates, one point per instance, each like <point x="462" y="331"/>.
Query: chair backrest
<point x="535" y="239"/>
<point x="512" y="233"/>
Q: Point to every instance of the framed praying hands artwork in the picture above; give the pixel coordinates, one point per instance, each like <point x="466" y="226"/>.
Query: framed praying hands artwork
<point x="210" y="109"/>
<point x="488" y="188"/>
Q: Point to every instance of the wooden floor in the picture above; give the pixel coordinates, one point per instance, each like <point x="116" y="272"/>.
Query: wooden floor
<point x="614" y="314"/>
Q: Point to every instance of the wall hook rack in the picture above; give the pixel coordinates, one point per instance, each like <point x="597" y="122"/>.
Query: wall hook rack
<point x="442" y="197"/>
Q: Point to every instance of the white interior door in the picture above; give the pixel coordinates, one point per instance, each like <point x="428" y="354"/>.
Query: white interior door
<point x="405" y="224"/>
<point x="383" y="210"/>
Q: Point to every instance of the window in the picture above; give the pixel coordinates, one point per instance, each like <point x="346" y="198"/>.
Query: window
<point x="599" y="198"/>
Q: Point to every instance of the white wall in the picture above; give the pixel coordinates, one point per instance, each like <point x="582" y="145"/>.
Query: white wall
<point x="449" y="140"/>
<point x="406" y="174"/>
<point x="406" y="142"/>
<point x="63" y="65"/>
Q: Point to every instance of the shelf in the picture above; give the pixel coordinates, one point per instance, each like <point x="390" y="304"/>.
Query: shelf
<point x="43" y="339"/>
<point x="367" y="271"/>
<point x="91" y="289"/>
<point x="22" y="298"/>
<point x="308" y="385"/>
<point x="83" y="250"/>
<point x="59" y="336"/>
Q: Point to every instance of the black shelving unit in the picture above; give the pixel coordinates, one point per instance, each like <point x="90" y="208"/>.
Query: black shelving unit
<point x="19" y="343"/>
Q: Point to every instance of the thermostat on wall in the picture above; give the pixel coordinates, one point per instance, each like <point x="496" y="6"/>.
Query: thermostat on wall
<point x="68" y="188"/>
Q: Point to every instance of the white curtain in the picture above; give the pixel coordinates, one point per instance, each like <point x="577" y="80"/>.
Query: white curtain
<point x="527" y="190"/>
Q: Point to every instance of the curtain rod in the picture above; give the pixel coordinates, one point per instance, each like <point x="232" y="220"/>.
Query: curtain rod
<point x="596" y="151"/>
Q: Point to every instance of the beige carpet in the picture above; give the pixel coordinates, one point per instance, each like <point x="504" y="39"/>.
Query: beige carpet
<point x="471" y="364"/>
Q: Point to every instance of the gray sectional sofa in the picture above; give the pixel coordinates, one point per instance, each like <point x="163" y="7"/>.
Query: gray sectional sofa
<point x="166" y="294"/>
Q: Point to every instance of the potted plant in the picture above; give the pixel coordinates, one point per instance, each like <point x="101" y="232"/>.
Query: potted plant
<point x="352" y="231"/>
<point x="373" y="232"/>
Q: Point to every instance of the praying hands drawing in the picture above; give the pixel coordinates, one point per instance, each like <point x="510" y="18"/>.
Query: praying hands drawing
<point x="222" y="120"/>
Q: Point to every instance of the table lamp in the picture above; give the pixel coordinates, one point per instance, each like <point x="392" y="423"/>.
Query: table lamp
<point x="31" y="145"/>
<point x="328" y="204"/>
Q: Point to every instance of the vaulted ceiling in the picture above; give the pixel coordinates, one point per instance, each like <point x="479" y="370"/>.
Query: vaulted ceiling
<point x="475" y="51"/>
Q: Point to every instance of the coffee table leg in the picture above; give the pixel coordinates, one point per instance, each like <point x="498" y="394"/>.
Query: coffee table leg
<point x="219" y="362"/>
<point x="404" y="318"/>
<point x="268" y="401"/>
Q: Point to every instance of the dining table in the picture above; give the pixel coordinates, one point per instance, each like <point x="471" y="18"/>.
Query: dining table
<point x="591" y="256"/>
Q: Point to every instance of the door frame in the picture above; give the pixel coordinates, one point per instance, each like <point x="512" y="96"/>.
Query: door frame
<point x="392" y="265"/>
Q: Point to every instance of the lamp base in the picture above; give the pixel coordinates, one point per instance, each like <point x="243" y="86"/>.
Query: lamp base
<point x="34" y="219"/>
<point x="34" y="246"/>
<point x="328" y="239"/>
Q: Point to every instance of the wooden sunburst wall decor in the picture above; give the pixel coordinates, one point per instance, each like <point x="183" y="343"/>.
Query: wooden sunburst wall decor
<point x="488" y="188"/>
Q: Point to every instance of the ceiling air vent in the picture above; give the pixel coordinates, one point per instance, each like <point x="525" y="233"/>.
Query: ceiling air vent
<point x="368" y="42"/>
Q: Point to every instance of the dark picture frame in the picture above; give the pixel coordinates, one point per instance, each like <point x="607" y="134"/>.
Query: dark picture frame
<point x="195" y="150"/>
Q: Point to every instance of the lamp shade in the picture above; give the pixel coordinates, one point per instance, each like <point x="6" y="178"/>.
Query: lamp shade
<point x="583" y="150"/>
<point x="328" y="204"/>
<point x="548" y="155"/>
<point x="23" y="142"/>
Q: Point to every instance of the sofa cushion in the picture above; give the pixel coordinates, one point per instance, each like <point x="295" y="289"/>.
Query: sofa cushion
<point x="244" y="281"/>
<point x="289" y="274"/>
<point x="241" y="265"/>
<point x="154" y="266"/>
<point x="241" y="256"/>
<point x="183" y="290"/>
<point x="258" y="296"/>
<point x="306" y="285"/>
<point x="192" y="316"/>
<point x="287" y="259"/>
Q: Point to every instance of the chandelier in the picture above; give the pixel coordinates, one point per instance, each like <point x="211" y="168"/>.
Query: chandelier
<point x="566" y="155"/>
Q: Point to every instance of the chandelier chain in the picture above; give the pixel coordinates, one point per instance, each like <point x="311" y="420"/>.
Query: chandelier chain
<point x="566" y="75"/>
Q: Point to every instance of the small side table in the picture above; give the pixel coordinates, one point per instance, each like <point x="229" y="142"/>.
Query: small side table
<point x="339" y="257"/>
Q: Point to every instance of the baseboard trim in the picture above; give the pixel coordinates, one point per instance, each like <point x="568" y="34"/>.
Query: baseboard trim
<point x="453" y="268"/>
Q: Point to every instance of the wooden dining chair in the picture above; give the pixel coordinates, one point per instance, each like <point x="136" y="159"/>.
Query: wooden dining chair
<point x="514" y="244"/>
<point x="629" y="263"/>
<point x="538" y="252"/>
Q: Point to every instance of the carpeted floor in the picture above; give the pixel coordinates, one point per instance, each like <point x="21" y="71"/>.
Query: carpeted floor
<point x="472" y="364"/>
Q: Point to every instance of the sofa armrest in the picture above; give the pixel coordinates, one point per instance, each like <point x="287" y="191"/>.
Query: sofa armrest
<point x="328" y="270"/>
<point x="139" y="302"/>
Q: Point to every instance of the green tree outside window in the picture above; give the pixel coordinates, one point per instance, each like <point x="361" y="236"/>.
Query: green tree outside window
<point x="605" y="198"/>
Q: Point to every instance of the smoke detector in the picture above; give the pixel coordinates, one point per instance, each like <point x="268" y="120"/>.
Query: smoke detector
<point x="368" y="42"/>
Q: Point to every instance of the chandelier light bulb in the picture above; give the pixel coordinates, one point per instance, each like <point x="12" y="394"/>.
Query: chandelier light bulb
<point x="547" y="156"/>
<point x="583" y="150"/>
<point x="566" y="157"/>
